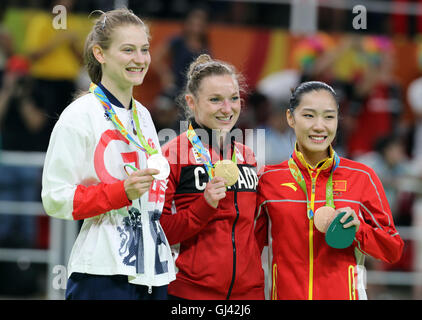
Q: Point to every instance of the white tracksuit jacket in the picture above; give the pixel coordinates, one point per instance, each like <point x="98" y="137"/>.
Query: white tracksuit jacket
<point x="83" y="179"/>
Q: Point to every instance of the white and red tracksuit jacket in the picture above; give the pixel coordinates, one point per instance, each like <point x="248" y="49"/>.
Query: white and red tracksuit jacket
<point x="301" y="264"/>
<point x="217" y="256"/>
<point x="83" y="179"/>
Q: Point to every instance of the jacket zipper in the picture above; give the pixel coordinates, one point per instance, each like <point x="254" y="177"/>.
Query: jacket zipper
<point x="311" y="259"/>
<point x="311" y="239"/>
<point x="234" y="244"/>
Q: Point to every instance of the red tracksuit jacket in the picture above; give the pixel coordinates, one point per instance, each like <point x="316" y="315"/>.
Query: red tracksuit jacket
<point x="216" y="252"/>
<point x="302" y="265"/>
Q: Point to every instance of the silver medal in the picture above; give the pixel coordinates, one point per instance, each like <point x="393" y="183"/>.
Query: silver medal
<point x="157" y="161"/>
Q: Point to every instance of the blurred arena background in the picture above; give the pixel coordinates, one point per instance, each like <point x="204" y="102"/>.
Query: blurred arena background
<point x="370" y="51"/>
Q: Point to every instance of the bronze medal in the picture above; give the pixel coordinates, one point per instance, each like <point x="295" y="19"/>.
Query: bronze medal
<point x="323" y="217"/>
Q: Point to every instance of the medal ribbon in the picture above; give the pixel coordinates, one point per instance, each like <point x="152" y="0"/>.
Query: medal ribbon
<point x="144" y="146"/>
<point x="298" y="176"/>
<point x="203" y="152"/>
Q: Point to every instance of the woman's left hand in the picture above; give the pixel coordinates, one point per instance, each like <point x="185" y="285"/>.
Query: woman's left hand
<point x="349" y="212"/>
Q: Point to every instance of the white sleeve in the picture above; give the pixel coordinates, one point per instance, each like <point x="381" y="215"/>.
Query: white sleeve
<point x="64" y="167"/>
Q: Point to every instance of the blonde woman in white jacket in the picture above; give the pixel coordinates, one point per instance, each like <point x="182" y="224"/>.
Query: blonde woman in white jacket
<point x="96" y="170"/>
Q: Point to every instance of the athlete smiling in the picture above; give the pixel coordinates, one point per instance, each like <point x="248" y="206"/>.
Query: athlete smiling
<point x="209" y="222"/>
<point x="121" y="251"/>
<point x="301" y="263"/>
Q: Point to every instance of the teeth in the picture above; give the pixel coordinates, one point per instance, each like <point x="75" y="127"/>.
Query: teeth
<point x="134" y="69"/>
<point x="224" y="119"/>
<point x="317" y="138"/>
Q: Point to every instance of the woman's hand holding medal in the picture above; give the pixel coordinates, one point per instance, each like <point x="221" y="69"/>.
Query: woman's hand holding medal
<point x="139" y="182"/>
<point x="339" y="226"/>
<point x="349" y="213"/>
<point x="215" y="191"/>
<point x="226" y="174"/>
<point x="325" y="215"/>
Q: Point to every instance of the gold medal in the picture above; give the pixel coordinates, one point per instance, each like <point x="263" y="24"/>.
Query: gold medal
<point x="323" y="217"/>
<point x="228" y="170"/>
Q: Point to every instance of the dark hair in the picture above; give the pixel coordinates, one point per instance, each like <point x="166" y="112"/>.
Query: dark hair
<point x="101" y="35"/>
<point x="204" y="66"/>
<point x="306" y="87"/>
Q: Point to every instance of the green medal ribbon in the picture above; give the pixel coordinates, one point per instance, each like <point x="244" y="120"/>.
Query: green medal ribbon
<point x="298" y="176"/>
<point x="203" y="152"/>
<point x="98" y="92"/>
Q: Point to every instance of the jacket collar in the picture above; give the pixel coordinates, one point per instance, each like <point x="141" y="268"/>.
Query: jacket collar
<point x="113" y="100"/>
<point x="324" y="165"/>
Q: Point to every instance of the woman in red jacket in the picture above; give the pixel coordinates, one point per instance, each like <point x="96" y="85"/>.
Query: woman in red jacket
<point x="302" y="264"/>
<point x="207" y="218"/>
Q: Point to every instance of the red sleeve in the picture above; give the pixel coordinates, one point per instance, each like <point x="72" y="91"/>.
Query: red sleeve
<point x="188" y="222"/>
<point x="261" y="219"/>
<point x="98" y="199"/>
<point x="377" y="235"/>
<point x="261" y="230"/>
<point x="183" y="224"/>
<point x="179" y="225"/>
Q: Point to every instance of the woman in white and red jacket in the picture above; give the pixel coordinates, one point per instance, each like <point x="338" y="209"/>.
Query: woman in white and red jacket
<point x="210" y="227"/>
<point x="121" y="251"/>
<point x="301" y="264"/>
